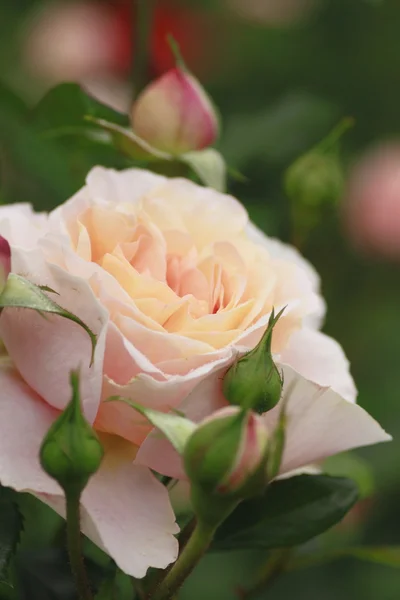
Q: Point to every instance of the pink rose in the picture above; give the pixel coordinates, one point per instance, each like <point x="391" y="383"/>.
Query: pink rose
<point x="177" y="283"/>
<point x="372" y="203"/>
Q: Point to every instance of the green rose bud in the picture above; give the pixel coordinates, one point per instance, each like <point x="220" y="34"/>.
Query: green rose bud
<point x="227" y="453"/>
<point x="314" y="179"/>
<point x="254" y="382"/>
<point x="71" y="451"/>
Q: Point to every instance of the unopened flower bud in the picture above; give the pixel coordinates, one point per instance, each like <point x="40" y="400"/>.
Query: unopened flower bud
<point x="227" y="453"/>
<point x="254" y="382"/>
<point x="315" y="178"/>
<point x="174" y="114"/>
<point x="5" y="262"/>
<point x="71" y="451"/>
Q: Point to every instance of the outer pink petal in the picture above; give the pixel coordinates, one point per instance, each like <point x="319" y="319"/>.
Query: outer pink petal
<point x="24" y="420"/>
<point x="320" y="423"/>
<point x="321" y="359"/>
<point x="46" y="349"/>
<point x="128" y="513"/>
<point x="21" y="226"/>
<point x="125" y="510"/>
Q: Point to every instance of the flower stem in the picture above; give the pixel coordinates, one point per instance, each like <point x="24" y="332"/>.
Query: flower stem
<point x="191" y="554"/>
<point x="75" y="546"/>
<point x="141" y="26"/>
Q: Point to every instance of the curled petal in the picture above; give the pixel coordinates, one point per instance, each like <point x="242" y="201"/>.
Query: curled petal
<point x="320" y="423"/>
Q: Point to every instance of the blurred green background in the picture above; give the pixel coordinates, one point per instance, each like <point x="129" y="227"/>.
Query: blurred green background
<point x="283" y="73"/>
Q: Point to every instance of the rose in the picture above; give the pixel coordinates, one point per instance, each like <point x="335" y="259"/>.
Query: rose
<point x="371" y="209"/>
<point x="177" y="284"/>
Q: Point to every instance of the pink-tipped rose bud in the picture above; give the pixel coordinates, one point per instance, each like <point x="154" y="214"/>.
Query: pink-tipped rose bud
<point x="5" y="262"/>
<point x="227" y="453"/>
<point x="372" y="203"/>
<point x="174" y="114"/>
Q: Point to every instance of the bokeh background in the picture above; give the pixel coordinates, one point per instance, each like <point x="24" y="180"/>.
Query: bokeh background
<point x="283" y="73"/>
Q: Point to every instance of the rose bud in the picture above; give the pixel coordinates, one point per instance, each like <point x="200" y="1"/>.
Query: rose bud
<point x="71" y="451"/>
<point x="371" y="208"/>
<point x="5" y="261"/>
<point x="227" y="453"/>
<point x="254" y="382"/>
<point x="314" y="179"/>
<point x="174" y="114"/>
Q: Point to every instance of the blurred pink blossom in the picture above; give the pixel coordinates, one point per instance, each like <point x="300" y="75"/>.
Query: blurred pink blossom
<point x="272" y="12"/>
<point x="70" y="40"/>
<point x="372" y="203"/>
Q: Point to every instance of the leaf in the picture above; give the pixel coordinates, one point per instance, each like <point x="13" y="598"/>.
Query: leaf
<point x="7" y="591"/>
<point x="106" y="590"/>
<point x="290" y="512"/>
<point x="21" y="293"/>
<point x="66" y="106"/>
<point x="45" y="574"/>
<point x="209" y="166"/>
<point x="11" y="524"/>
<point x="350" y="464"/>
<point x="175" y="428"/>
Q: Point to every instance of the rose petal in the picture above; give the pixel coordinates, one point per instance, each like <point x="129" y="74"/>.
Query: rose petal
<point x="119" y="418"/>
<point x="320" y="423"/>
<point x="129" y="514"/>
<point x="125" y="510"/>
<point x="321" y="359"/>
<point x="45" y="350"/>
<point x="279" y="250"/>
<point x="24" y="420"/>
<point x="21" y="226"/>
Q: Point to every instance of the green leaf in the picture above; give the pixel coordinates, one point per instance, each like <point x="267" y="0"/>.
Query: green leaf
<point x="290" y="512"/>
<point x="106" y="590"/>
<point x="175" y="428"/>
<point x="350" y="464"/>
<point x="209" y="166"/>
<point x="7" y="591"/>
<point x="11" y="525"/>
<point x="45" y="574"/>
<point x="66" y="106"/>
<point x="21" y="293"/>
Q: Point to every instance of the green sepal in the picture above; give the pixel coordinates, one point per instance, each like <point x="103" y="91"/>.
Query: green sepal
<point x="209" y="166"/>
<point x="177" y="429"/>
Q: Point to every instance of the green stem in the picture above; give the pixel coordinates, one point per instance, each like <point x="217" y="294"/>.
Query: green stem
<point x="75" y="546"/>
<point x="337" y="132"/>
<point x="142" y="22"/>
<point x="269" y="573"/>
<point x="191" y="554"/>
